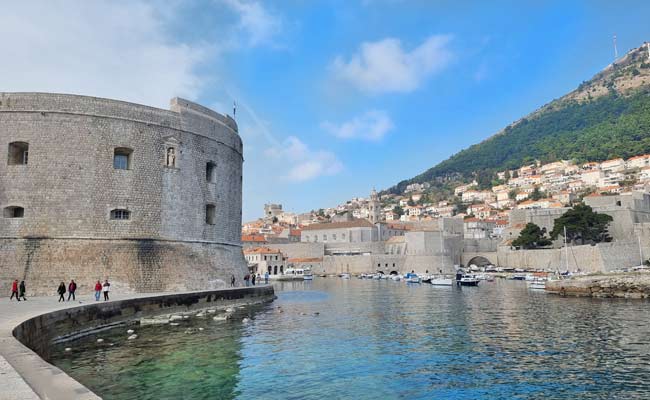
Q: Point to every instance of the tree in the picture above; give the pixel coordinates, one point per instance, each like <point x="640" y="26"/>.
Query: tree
<point x="512" y="194"/>
<point x="537" y="194"/>
<point x="531" y="237"/>
<point x="410" y="202"/>
<point x="398" y="210"/>
<point x="583" y="225"/>
<point x="507" y="175"/>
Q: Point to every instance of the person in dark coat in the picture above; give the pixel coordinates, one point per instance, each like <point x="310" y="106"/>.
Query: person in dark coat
<point x="253" y="279"/>
<point x="21" y="290"/>
<point x="232" y="281"/>
<point x="106" y="288"/>
<point x="72" y="287"/>
<point x="61" y="291"/>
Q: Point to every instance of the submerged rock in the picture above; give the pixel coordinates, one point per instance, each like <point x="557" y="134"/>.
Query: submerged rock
<point x="100" y="340"/>
<point x="132" y="337"/>
<point x="212" y="311"/>
<point x="176" y="318"/>
<point x="153" y="321"/>
<point x="68" y="349"/>
<point x="174" y="324"/>
<point x="130" y="331"/>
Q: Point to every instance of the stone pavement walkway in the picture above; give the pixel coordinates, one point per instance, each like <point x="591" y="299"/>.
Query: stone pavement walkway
<point x="17" y="361"/>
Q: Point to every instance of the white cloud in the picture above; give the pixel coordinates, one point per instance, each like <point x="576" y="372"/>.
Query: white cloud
<point x="304" y="163"/>
<point x="117" y="49"/>
<point x="384" y="66"/>
<point x="371" y="125"/>
<point x="258" y="23"/>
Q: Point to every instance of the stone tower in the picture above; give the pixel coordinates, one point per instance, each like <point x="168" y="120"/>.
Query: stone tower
<point x="374" y="208"/>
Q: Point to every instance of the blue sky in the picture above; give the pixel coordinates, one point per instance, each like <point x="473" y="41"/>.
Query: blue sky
<point x="333" y="97"/>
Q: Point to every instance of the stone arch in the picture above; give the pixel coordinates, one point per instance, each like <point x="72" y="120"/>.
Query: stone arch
<point x="479" y="261"/>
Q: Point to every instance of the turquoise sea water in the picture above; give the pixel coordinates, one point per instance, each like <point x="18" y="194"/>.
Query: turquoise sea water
<point x="366" y="339"/>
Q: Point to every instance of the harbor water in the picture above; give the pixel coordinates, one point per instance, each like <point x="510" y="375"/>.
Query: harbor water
<point x="380" y="339"/>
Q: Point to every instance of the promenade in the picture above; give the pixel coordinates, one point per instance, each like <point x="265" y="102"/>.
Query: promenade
<point x="17" y="361"/>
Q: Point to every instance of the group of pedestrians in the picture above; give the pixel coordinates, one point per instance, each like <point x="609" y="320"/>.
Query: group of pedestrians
<point x="18" y="290"/>
<point x="248" y="279"/>
<point x="72" y="288"/>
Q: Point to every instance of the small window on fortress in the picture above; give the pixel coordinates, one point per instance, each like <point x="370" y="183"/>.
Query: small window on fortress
<point x="120" y="214"/>
<point x="14" y="212"/>
<point x="18" y="153"/>
<point x="210" y="214"/>
<point x="210" y="171"/>
<point x="122" y="158"/>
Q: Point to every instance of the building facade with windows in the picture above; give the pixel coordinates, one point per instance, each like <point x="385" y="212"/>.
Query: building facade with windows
<point x="94" y="188"/>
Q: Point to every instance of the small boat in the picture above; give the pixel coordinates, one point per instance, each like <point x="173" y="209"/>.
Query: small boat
<point x="412" y="278"/>
<point x="307" y="275"/>
<point x="441" y="281"/>
<point x="426" y="279"/>
<point x="345" y="275"/>
<point x="469" y="280"/>
<point x="536" y="284"/>
<point x="518" y="277"/>
<point x="395" y="277"/>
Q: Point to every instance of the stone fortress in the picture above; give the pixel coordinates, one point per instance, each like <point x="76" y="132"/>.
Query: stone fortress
<point x="93" y="188"/>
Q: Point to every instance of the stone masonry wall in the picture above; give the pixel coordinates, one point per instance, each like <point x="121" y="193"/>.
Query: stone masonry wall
<point x="69" y="186"/>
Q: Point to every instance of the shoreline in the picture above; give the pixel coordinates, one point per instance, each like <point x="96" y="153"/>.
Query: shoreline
<point x="624" y="285"/>
<point x="27" y="329"/>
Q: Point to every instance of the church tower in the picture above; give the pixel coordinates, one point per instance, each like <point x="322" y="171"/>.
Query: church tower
<point x="374" y="207"/>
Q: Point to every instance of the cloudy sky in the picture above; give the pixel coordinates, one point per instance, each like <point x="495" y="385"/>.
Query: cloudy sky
<point x="333" y="97"/>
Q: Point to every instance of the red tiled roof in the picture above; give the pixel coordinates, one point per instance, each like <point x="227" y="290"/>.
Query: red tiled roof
<point x="252" y="238"/>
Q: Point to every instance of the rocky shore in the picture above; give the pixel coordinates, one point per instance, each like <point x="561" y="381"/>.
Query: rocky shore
<point x="630" y="285"/>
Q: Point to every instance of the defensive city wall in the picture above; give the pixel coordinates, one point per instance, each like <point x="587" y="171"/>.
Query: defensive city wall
<point x="93" y="188"/>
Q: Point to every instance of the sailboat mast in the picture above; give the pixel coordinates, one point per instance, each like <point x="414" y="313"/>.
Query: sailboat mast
<point x="640" y="250"/>
<point x="566" y="252"/>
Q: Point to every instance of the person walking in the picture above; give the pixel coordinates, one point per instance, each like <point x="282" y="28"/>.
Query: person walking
<point x="21" y="290"/>
<point x="107" y="288"/>
<point x="72" y="287"/>
<point x="98" y="290"/>
<point x="61" y="292"/>
<point x="253" y="279"/>
<point x="246" y="278"/>
<point x="266" y="277"/>
<point x="232" y="281"/>
<point x="14" y="290"/>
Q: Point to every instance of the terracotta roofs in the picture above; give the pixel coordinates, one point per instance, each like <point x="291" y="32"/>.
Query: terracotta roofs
<point x="253" y="238"/>
<point x="262" y="250"/>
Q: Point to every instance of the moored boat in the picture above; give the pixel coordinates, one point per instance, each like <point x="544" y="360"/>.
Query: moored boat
<point x="412" y="277"/>
<point x="469" y="280"/>
<point x="441" y="281"/>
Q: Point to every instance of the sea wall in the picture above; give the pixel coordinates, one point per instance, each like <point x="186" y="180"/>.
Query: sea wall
<point x="37" y="333"/>
<point x="628" y="285"/>
<point x="602" y="257"/>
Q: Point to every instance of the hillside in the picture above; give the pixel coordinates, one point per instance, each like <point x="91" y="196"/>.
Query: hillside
<point x="605" y="117"/>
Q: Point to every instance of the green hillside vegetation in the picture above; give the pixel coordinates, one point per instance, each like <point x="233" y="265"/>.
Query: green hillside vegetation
<point x="614" y="122"/>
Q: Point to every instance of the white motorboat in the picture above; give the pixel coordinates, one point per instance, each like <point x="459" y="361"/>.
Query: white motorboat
<point x="412" y="277"/>
<point x="395" y="277"/>
<point x="469" y="280"/>
<point x="441" y="281"/>
<point x="536" y="284"/>
<point x="345" y="275"/>
<point x="307" y="275"/>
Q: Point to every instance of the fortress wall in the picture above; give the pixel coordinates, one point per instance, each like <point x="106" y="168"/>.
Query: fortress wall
<point x="130" y="265"/>
<point x="69" y="186"/>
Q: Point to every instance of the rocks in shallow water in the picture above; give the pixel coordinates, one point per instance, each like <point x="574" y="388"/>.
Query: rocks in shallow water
<point x="176" y="318"/>
<point x="68" y="349"/>
<point x="224" y="317"/>
<point x="200" y="315"/>
<point x="132" y="337"/>
<point x="230" y="310"/>
<point x="100" y="340"/>
<point x="186" y="317"/>
<point x="200" y="329"/>
<point x="212" y="311"/>
<point x="246" y="320"/>
<point x="174" y="324"/>
<point x="130" y="331"/>
<point x="153" y="321"/>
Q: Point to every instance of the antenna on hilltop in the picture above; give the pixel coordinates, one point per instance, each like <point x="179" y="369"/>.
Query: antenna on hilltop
<point x="615" y="49"/>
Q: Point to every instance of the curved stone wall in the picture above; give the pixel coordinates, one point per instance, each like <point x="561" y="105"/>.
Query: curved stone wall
<point x="148" y="198"/>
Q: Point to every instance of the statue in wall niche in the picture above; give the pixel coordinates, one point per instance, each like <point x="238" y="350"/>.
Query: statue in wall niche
<point x="171" y="157"/>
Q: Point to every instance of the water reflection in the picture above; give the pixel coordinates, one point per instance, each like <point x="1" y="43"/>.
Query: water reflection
<point x="335" y="338"/>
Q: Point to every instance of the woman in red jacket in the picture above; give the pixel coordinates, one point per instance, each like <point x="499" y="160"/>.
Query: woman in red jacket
<point x="14" y="290"/>
<point x="98" y="290"/>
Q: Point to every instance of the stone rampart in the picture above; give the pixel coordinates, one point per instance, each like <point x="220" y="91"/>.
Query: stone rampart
<point x="67" y="188"/>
